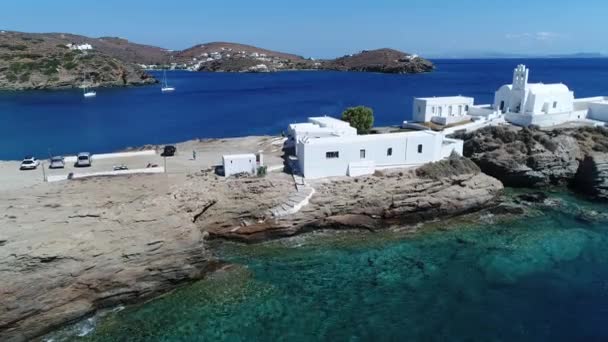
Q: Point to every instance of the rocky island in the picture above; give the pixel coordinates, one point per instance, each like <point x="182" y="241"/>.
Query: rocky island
<point x="56" y="61"/>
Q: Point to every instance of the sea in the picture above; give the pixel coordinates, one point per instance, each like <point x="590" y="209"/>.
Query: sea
<point x="214" y="105"/>
<point x="539" y="277"/>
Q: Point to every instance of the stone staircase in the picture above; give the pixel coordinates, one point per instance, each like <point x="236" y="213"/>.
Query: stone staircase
<point x="297" y="200"/>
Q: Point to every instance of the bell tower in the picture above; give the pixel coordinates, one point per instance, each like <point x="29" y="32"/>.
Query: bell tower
<point x="520" y="77"/>
<point x="520" y="92"/>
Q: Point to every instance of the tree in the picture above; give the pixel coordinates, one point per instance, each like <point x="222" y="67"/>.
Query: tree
<point x="361" y="118"/>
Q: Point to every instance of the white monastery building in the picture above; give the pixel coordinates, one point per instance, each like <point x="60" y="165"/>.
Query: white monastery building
<point x="342" y="153"/>
<point x="442" y="110"/>
<point x="520" y="103"/>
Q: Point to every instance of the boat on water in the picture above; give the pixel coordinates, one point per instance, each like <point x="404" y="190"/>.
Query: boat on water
<point x="87" y="91"/>
<point x="165" y="85"/>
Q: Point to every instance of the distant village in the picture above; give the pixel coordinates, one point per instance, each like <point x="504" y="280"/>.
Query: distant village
<point x="266" y="63"/>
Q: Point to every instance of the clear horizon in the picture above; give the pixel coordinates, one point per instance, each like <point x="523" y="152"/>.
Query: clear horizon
<point x="433" y="28"/>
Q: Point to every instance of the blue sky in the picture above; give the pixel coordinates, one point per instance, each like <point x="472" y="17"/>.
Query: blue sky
<point x="330" y="28"/>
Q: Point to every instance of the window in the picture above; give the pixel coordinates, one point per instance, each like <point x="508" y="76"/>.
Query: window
<point x="459" y="110"/>
<point x="419" y="109"/>
<point x="466" y="108"/>
<point x="502" y="106"/>
<point x="362" y="154"/>
<point x="420" y="148"/>
<point x="332" y="155"/>
<point x="440" y="110"/>
<point x="450" y="110"/>
<point x="389" y="152"/>
<point x="555" y="104"/>
<point x="433" y="109"/>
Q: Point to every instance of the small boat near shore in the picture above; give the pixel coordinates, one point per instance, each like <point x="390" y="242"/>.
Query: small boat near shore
<point x="165" y="85"/>
<point x="87" y="91"/>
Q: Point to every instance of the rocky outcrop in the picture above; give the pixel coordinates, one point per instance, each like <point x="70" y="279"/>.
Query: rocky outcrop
<point x="70" y="249"/>
<point x="375" y="202"/>
<point x="535" y="158"/>
<point x="592" y="176"/>
<point x="39" y="61"/>
<point x="523" y="157"/>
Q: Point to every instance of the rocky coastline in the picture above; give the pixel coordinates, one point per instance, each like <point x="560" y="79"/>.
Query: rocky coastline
<point x="404" y="197"/>
<point x="71" y="249"/>
<point x="38" y="61"/>
<point x="524" y="157"/>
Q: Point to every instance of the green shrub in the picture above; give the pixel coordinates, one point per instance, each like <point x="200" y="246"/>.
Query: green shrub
<point x="70" y="65"/>
<point x="19" y="47"/>
<point x="262" y="170"/>
<point x="361" y="118"/>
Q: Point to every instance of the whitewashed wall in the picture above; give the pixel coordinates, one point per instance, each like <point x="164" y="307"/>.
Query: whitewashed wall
<point x="234" y="164"/>
<point x="598" y="111"/>
<point x="314" y="163"/>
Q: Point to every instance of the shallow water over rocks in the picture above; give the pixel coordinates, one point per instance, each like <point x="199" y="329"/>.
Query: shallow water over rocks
<point x="541" y="277"/>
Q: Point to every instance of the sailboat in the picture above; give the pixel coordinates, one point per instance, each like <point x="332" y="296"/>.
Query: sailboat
<point x="165" y="86"/>
<point x="86" y="90"/>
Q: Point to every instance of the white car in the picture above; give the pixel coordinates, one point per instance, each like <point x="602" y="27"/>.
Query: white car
<point x="84" y="159"/>
<point x="29" y="163"/>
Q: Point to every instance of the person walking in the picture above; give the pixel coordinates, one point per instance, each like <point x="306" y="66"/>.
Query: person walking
<point x="193" y="155"/>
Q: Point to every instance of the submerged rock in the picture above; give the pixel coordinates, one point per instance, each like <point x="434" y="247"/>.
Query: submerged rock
<point x="534" y="197"/>
<point x="533" y="252"/>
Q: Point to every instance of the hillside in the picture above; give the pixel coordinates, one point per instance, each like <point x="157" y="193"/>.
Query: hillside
<point x="232" y="57"/>
<point x="46" y="61"/>
<point x="381" y="60"/>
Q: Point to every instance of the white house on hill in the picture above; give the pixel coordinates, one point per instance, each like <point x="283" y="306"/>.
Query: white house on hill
<point x="355" y="155"/>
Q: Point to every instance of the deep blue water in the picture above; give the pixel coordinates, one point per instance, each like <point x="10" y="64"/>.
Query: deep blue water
<point x="537" y="278"/>
<point x="224" y="105"/>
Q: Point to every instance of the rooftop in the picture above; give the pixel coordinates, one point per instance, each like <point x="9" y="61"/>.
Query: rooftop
<point x="366" y="137"/>
<point x="443" y="99"/>
<point x="328" y="121"/>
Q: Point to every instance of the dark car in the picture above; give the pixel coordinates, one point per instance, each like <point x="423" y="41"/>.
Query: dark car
<point x="169" y="151"/>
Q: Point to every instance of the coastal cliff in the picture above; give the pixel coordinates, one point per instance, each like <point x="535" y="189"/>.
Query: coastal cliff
<point x="69" y="249"/>
<point x="574" y="157"/>
<point x="443" y="189"/>
<point x="49" y="61"/>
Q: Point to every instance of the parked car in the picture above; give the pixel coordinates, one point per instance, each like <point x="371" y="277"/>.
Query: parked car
<point x="83" y="159"/>
<point x="57" y="162"/>
<point x="29" y="163"/>
<point x="168" y="151"/>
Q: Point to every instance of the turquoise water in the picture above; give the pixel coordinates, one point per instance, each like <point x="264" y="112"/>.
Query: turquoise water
<point x="543" y="277"/>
